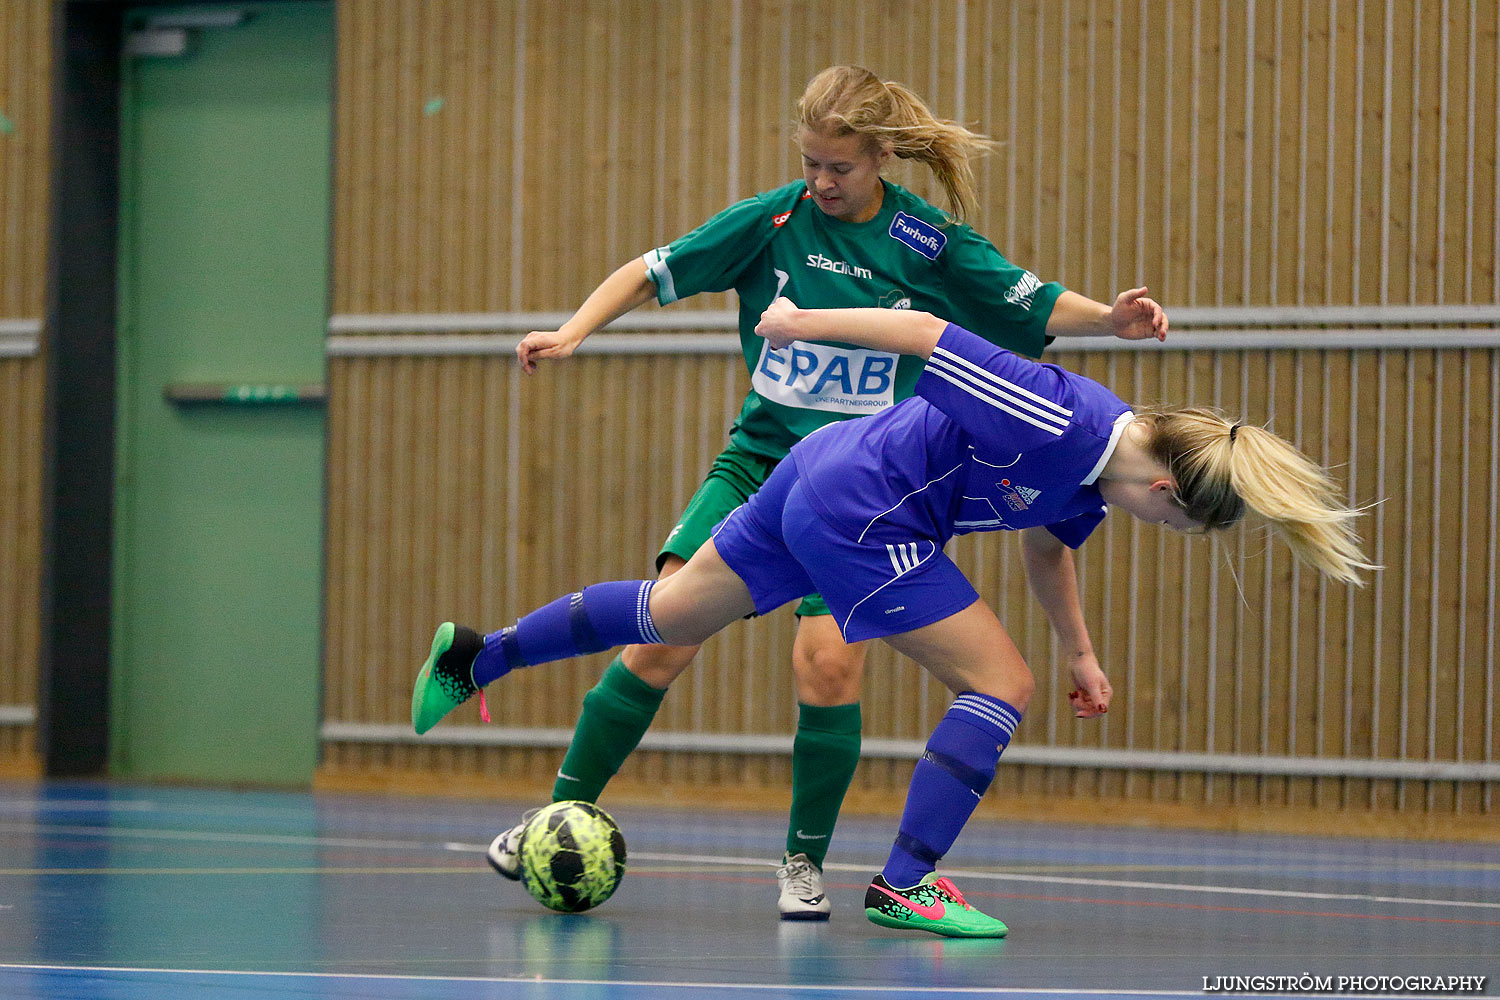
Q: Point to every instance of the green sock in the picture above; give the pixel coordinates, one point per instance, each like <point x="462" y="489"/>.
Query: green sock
<point x="616" y="714"/>
<point x="824" y="756"/>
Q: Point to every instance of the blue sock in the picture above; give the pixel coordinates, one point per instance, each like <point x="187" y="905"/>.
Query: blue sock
<point x="954" y="772"/>
<point x="596" y="618"/>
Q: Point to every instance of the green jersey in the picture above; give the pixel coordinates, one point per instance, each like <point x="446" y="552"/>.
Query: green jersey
<point x="780" y="243"/>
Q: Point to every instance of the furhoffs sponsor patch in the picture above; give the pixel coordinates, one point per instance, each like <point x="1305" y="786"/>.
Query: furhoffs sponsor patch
<point x="925" y="239"/>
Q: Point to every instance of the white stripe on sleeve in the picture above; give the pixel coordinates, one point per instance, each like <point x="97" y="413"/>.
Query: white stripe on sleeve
<point x="1050" y="428"/>
<point x="985" y="375"/>
<point x="656" y="266"/>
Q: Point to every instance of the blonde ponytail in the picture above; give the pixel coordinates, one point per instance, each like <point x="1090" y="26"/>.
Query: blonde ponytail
<point x="1223" y="468"/>
<point x="850" y="100"/>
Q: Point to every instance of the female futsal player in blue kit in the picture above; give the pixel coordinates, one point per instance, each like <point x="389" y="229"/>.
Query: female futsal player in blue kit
<point x="860" y="512"/>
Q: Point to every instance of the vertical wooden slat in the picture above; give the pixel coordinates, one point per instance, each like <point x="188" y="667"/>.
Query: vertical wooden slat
<point x="26" y="48"/>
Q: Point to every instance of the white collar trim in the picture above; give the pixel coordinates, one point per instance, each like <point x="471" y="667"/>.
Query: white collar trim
<point x="1121" y="422"/>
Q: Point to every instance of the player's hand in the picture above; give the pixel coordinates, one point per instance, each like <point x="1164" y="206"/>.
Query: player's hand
<point x="549" y="344"/>
<point x="777" y="323"/>
<point x="1135" y="316"/>
<point x="1091" y="693"/>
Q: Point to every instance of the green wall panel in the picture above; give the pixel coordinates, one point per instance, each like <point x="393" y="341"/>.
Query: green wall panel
<point x="224" y="270"/>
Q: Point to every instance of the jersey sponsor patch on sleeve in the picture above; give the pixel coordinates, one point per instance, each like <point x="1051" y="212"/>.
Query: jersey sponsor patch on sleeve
<point x="1024" y="290"/>
<point x="925" y="239"/>
<point x="777" y="221"/>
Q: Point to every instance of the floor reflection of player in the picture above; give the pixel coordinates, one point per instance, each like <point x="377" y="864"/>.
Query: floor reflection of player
<point x="580" y="947"/>
<point x="861" y="511"/>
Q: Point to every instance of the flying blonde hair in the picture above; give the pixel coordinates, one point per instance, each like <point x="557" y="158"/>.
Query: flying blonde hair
<point x="851" y="100"/>
<point x="1222" y="468"/>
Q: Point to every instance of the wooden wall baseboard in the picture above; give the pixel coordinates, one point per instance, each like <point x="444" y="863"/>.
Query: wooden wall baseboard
<point x="1229" y="818"/>
<point x="20" y="765"/>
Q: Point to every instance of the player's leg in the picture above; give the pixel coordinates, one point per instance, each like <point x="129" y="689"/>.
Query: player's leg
<point x="685" y="608"/>
<point x="825" y="753"/>
<point x="621" y="707"/>
<point x="908" y="592"/>
<point x="616" y="713"/>
<point x="971" y="654"/>
<point x="618" y="710"/>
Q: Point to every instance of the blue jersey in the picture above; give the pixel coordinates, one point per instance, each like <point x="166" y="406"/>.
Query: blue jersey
<point x="990" y="442"/>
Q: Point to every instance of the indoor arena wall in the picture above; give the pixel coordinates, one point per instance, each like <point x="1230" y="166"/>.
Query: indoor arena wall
<point x="1294" y="172"/>
<point x="25" y="74"/>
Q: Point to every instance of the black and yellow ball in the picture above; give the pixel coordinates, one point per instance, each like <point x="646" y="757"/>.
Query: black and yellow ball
<point x="572" y="856"/>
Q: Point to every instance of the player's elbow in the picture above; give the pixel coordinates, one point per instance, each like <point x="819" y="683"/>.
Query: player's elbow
<point x="932" y="326"/>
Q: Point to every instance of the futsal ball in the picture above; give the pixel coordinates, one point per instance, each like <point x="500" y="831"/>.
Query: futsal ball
<point x="572" y="856"/>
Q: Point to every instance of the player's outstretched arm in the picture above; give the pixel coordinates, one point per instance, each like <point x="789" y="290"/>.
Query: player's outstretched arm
<point x="1054" y="582"/>
<point x="899" y="331"/>
<point x="1134" y="316"/>
<point x="626" y="289"/>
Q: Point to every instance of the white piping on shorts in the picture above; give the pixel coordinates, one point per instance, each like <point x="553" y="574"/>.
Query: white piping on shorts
<point x="724" y="523"/>
<point x="896" y="552"/>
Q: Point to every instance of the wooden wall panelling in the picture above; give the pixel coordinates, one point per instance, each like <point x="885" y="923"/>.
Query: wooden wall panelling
<point x="26" y="33"/>
<point x="1208" y="148"/>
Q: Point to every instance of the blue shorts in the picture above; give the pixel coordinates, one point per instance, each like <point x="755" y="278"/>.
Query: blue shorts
<point x="783" y="549"/>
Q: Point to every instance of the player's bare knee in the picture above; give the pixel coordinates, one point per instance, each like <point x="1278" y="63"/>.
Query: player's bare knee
<point x="1012" y="685"/>
<point x="828" y="674"/>
<point x="658" y="666"/>
<point x="1016" y="688"/>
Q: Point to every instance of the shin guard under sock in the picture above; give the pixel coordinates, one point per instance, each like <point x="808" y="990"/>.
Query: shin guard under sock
<point x="949" y="780"/>
<point x="592" y="620"/>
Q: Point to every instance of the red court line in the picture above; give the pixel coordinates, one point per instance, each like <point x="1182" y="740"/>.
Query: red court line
<point x="1158" y="904"/>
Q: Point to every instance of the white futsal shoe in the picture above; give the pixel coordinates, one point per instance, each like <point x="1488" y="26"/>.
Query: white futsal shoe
<point x="504" y="854"/>
<point x="802" y="895"/>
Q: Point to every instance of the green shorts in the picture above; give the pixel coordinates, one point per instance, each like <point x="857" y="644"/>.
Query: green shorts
<point x="734" y="476"/>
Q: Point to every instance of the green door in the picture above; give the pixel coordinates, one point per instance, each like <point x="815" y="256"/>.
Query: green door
<point x="225" y="162"/>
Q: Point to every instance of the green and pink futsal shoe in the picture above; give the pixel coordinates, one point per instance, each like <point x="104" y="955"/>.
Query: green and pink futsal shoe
<point x="934" y="905"/>
<point x="446" y="680"/>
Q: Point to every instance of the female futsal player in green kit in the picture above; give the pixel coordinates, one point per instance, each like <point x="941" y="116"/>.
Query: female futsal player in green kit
<point x="840" y="237"/>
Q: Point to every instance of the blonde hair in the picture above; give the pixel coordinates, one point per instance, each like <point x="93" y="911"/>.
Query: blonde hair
<point x="1222" y="468"/>
<point x="851" y="100"/>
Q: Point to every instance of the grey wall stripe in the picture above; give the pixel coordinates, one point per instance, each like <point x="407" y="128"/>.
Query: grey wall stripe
<point x="1083" y="757"/>
<point x="476" y="343"/>
<point x="20" y="338"/>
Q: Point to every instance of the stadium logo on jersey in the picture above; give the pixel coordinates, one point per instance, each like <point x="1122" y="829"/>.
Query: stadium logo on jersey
<point x="895" y="299"/>
<point x="1023" y="291"/>
<point x="1018" y="497"/>
<point x="924" y="239"/>
<point x="820" y="263"/>
<point x="777" y="221"/>
<point x="820" y="377"/>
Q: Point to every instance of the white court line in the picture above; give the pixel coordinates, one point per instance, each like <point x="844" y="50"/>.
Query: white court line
<point x="1096" y="882"/>
<point x="288" y="840"/>
<point x="459" y="847"/>
<point x="659" y="984"/>
<point x="76" y="805"/>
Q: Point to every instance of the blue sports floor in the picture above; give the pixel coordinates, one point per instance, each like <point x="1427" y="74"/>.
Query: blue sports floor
<point x="111" y="892"/>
